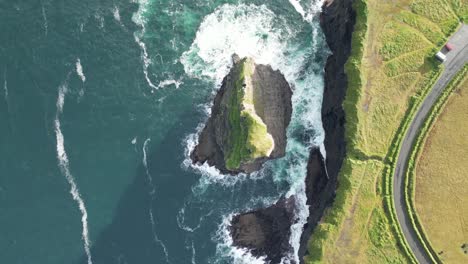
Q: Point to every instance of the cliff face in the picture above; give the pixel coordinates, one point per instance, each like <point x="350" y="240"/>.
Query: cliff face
<point x="337" y="21"/>
<point x="250" y="114"/>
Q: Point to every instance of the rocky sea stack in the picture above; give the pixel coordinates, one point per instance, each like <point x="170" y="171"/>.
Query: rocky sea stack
<point x="248" y="122"/>
<point x="266" y="232"/>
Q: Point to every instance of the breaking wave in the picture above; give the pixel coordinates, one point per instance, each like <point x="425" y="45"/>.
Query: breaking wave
<point x="65" y="169"/>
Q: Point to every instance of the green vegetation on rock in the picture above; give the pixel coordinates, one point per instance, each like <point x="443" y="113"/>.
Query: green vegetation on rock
<point x="248" y="137"/>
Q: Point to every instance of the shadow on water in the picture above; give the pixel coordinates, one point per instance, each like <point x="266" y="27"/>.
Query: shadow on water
<point x="129" y="239"/>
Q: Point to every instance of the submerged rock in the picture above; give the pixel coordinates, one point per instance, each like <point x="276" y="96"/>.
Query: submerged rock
<point x="265" y="232"/>
<point x="248" y="122"/>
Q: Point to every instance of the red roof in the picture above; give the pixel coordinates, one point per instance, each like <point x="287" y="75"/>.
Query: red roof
<point x="449" y="46"/>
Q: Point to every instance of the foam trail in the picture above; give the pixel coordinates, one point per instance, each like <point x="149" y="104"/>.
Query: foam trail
<point x="298" y="7"/>
<point x="139" y="20"/>
<point x="152" y="196"/>
<point x="176" y="83"/>
<point x="5" y="86"/>
<point x="193" y="253"/>
<point x="312" y="10"/>
<point x="79" y="70"/>
<point x="65" y="169"/>
<point x="180" y="218"/>
<point x="44" y="17"/>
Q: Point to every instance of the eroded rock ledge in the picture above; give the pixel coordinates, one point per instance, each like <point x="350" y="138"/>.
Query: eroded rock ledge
<point x="248" y="121"/>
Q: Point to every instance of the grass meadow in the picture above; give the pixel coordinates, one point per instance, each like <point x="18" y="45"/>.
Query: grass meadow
<point x="441" y="193"/>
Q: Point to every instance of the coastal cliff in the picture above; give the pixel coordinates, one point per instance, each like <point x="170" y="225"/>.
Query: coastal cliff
<point x="248" y="121"/>
<point x="337" y="21"/>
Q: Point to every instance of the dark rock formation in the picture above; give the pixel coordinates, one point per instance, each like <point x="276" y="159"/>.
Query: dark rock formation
<point x="337" y="21"/>
<point x="265" y="232"/>
<point x="271" y="96"/>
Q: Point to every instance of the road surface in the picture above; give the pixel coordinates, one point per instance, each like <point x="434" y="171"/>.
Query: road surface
<point x="456" y="59"/>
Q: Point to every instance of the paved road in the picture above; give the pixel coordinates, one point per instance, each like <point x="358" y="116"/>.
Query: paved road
<point x="456" y="59"/>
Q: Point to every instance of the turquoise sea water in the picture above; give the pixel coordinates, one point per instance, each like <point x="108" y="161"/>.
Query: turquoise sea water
<point x="100" y="105"/>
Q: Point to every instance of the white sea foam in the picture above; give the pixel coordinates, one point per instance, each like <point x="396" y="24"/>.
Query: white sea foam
<point x="138" y="18"/>
<point x="152" y="194"/>
<point x="193" y="253"/>
<point x="297" y="5"/>
<point x="100" y="19"/>
<point x="176" y="83"/>
<point x="116" y="14"/>
<point x="79" y="70"/>
<point x="255" y="31"/>
<point x="65" y="169"/>
<point x="313" y="7"/>
<point x="5" y="86"/>
<point x="181" y="220"/>
<point x="246" y="30"/>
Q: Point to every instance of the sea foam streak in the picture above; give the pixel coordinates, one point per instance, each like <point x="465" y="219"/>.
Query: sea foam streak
<point x="138" y="18"/>
<point x="79" y="70"/>
<point x="255" y="31"/>
<point x="65" y="169"/>
<point x="5" y="86"/>
<point x="193" y="253"/>
<point x="116" y="13"/>
<point x="152" y="194"/>
<point x="44" y="17"/>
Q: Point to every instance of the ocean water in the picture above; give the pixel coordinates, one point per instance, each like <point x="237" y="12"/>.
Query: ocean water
<point x="101" y="102"/>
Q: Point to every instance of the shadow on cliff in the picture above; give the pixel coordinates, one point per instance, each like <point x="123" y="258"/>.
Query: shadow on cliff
<point x="129" y="239"/>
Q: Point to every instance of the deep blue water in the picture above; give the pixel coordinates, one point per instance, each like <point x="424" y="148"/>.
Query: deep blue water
<point x="100" y="103"/>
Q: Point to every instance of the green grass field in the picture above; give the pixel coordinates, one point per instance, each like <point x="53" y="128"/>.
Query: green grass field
<point x="390" y="68"/>
<point x="441" y="195"/>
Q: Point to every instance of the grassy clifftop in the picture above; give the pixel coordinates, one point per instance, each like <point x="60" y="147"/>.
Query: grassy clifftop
<point x="390" y="70"/>
<point x="248" y="136"/>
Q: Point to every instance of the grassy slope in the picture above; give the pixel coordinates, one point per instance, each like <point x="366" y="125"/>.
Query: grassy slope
<point x="445" y="147"/>
<point x="390" y="69"/>
<point x="248" y="136"/>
